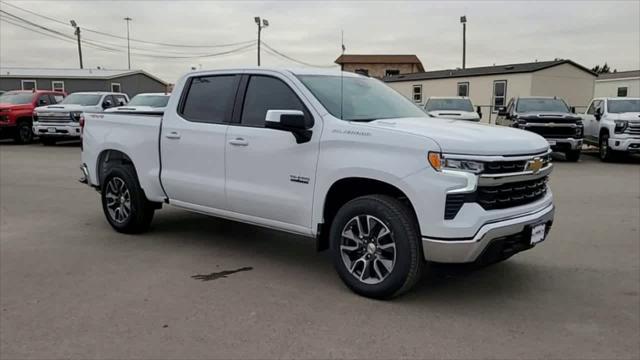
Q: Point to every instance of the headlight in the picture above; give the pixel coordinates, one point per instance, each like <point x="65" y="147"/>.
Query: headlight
<point x="75" y="116"/>
<point x="440" y="163"/>
<point x="579" y="131"/>
<point x="621" y="126"/>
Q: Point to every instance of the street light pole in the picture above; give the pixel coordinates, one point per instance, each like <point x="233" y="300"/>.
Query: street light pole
<point x="127" y="19"/>
<point x="77" y="33"/>
<point x="261" y="24"/>
<point x="463" y="20"/>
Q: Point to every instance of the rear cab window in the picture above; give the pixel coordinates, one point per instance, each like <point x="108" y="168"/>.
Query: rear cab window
<point x="209" y="99"/>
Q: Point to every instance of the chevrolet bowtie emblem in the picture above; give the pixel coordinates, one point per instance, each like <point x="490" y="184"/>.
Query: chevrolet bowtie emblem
<point x="534" y="165"/>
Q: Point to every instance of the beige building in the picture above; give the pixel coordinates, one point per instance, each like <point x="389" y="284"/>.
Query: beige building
<point x="621" y="83"/>
<point x="492" y="86"/>
<point x="380" y="66"/>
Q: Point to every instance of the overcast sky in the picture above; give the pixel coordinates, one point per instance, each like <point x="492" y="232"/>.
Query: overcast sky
<point x="498" y="32"/>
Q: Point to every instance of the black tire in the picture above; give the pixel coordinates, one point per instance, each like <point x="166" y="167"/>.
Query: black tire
<point x="400" y="222"/>
<point x="573" y="155"/>
<point x="24" y="133"/>
<point x="47" y="141"/>
<point x="140" y="210"/>
<point x="606" y="154"/>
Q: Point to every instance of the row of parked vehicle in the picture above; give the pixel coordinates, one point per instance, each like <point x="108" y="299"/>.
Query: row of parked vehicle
<point x="611" y="124"/>
<point x="54" y="116"/>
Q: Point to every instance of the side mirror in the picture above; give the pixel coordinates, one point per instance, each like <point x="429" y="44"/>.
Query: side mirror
<point x="290" y="120"/>
<point x="106" y="104"/>
<point x="573" y="109"/>
<point x="479" y="111"/>
<point x="502" y="111"/>
<point x="598" y="114"/>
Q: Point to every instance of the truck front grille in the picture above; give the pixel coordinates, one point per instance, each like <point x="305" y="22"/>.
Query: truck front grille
<point x="54" y="118"/>
<point x="553" y="132"/>
<point x="633" y="129"/>
<point x="498" y="197"/>
<point x="511" y="194"/>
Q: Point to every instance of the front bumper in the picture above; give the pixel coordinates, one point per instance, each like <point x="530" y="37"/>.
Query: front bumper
<point x="631" y="145"/>
<point x="563" y="144"/>
<point x="68" y="130"/>
<point x="511" y="230"/>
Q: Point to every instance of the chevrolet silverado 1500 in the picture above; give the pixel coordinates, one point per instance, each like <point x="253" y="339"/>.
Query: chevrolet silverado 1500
<point x="334" y="156"/>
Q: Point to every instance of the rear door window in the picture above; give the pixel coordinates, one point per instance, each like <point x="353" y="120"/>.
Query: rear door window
<point x="210" y="99"/>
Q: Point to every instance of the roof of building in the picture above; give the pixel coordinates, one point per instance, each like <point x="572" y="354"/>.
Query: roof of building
<point x="379" y="59"/>
<point x="485" y="70"/>
<point x="619" y="75"/>
<point x="22" y="72"/>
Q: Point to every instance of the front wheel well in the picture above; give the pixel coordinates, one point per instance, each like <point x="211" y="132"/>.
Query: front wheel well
<point x="22" y="119"/>
<point x="347" y="189"/>
<point x="604" y="131"/>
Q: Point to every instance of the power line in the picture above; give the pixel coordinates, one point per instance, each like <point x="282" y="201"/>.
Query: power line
<point x="124" y="38"/>
<point x="278" y="53"/>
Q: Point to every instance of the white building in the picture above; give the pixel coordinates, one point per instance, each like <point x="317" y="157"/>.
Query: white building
<point x="621" y="83"/>
<point x="492" y="86"/>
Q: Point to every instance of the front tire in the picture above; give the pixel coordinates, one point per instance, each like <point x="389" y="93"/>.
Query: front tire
<point x="606" y="154"/>
<point x="573" y="155"/>
<point x="376" y="246"/>
<point x="123" y="201"/>
<point x="24" y="134"/>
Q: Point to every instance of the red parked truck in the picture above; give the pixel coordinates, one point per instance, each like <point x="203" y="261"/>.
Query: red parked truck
<point x="16" y="109"/>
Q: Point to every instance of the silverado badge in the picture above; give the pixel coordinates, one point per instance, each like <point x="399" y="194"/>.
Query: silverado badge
<point x="534" y="165"/>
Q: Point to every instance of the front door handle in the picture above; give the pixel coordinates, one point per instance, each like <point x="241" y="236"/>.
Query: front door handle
<point x="239" y="142"/>
<point x="173" y="135"/>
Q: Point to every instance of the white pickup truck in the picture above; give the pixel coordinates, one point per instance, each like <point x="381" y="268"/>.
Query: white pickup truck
<point x="62" y="121"/>
<point x="613" y="124"/>
<point x="337" y="157"/>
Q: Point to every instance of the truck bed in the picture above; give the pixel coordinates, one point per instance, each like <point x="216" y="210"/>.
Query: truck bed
<point x="135" y="134"/>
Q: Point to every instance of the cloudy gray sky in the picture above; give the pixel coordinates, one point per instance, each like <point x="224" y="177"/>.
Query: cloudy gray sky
<point x="500" y="32"/>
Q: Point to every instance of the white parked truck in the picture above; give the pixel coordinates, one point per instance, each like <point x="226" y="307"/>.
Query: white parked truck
<point x="453" y="107"/>
<point x="62" y="121"/>
<point x="144" y="102"/>
<point x="337" y="157"/>
<point x="613" y="124"/>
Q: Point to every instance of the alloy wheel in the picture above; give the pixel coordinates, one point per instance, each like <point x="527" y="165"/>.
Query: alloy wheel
<point x="368" y="249"/>
<point x="118" y="200"/>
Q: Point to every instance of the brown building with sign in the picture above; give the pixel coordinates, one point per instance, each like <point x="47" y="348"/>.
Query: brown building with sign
<point x="380" y="65"/>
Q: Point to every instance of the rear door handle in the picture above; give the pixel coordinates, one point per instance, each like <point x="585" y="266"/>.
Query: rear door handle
<point x="173" y="135"/>
<point x="239" y="142"/>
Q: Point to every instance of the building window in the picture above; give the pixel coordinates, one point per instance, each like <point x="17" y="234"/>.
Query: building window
<point x="391" y="72"/>
<point x="29" y="85"/>
<point x="364" y="72"/>
<point x="499" y="94"/>
<point x="115" y="87"/>
<point x="57" y="86"/>
<point x="417" y="93"/>
<point x="463" y="89"/>
<point x="622" y="91"/>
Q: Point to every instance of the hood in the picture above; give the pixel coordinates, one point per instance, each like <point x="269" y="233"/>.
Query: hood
<point x="455" y="114"/>
<point x="15" y="106"/>
<point x="66" y="108"/>
<point x="628" y="116"/>
<point x="136" y="109"/>
<point x="465" y="137"/>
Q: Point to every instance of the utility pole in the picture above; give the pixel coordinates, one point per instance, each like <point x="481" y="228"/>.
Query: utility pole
<point x="261" y="24"/>
<point x="127" y="19"/>
<point x="77" y="33"/>
<point x="463" y="20"/>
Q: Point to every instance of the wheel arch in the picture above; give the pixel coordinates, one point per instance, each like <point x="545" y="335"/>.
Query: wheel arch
<point x="109" y="155"/>
<point x="346" y="189"/>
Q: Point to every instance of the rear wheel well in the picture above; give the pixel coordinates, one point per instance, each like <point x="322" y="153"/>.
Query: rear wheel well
<point x="108" y="158"/>
<point x="347" y="189"/>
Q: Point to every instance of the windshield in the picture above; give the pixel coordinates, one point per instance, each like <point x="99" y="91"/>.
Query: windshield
<point x="449" y="104"/>
<point x="16" y="98"/>
<point x="149" y="100"/>
<point x="534" y="105"/>
<point x="623" y="106"/>
<point x="364" y="99"/>
<point x="82" y="99"/>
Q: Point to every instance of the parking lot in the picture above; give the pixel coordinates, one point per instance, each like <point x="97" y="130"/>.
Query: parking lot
<point x="71" y="287"/>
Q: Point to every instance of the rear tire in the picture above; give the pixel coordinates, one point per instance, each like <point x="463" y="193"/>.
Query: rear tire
<point x="123" y="201"/>
<point x="376" y="246"/>
<point x="573" y="155"/>
<point x="24" y="133"/>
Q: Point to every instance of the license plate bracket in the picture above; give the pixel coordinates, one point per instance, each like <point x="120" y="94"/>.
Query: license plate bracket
<point x="538" y="233"/>
<point x="51" y="130"/>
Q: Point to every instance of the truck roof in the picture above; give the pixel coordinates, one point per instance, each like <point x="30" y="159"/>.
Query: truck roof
<point x="99" y="93"/>
<point x="616" y="98"/>
<point x="296" y="71"/>
<point x="449" y="97"/>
